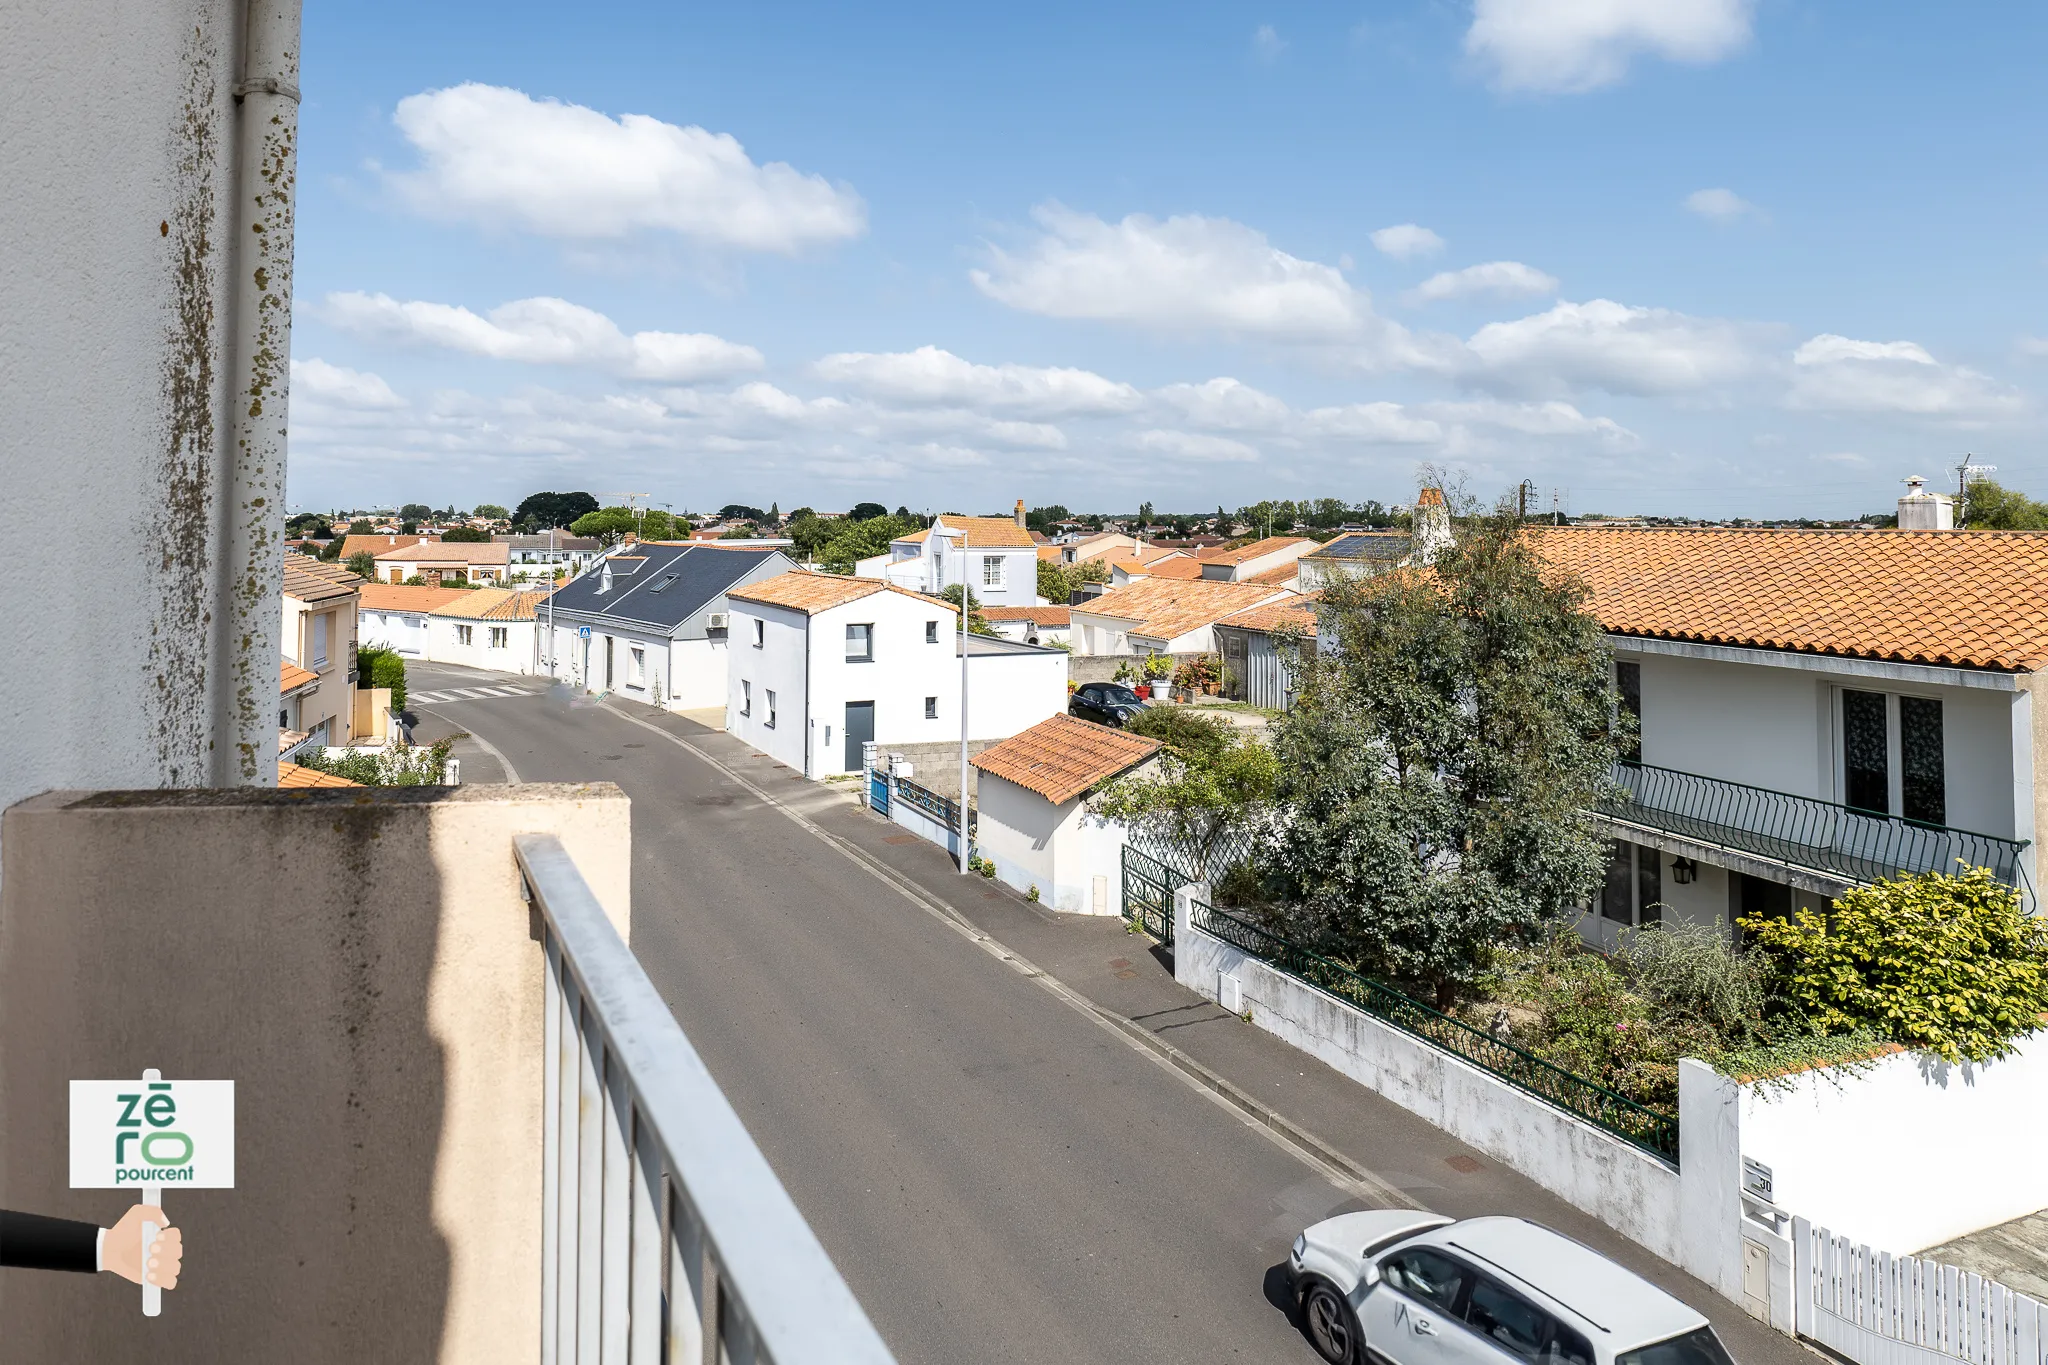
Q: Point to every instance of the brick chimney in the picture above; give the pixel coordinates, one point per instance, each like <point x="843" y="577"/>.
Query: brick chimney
<point x="1020" y="511"/>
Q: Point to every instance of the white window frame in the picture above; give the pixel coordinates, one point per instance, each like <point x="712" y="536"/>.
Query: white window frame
<point x="636" y="666"/>
<point x="992" y="571"/>
<point x="463" y="635"/>
<point x="867" y="642"/>
<point x="760" y="632"/>
<point x="323" y="625"/>
<point x="746" y="697"/>
<point x="500" y="637"/>
<point x="770" y="722"/>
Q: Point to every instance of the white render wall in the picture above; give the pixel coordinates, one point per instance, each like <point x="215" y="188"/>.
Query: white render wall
<point x="1007" y="694"/>
<point x="515" y="656"/>
<point x="776" y="664"/>
<point x="402" y="631"/>
<point x="1910" y="1153"/>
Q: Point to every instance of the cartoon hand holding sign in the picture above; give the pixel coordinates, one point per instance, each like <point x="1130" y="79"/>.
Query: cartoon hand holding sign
<point x="149" y="1134"/>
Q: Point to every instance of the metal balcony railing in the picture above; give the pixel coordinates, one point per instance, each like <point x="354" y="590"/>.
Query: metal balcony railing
<point x="1819" y="836"/>
<point x="665" y="1237"/>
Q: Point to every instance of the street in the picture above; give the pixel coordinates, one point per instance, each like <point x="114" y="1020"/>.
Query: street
<point x="1001" y="1173"/>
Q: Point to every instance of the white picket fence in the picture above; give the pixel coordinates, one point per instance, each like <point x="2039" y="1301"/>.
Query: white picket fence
<point x="1876" y="1308"/>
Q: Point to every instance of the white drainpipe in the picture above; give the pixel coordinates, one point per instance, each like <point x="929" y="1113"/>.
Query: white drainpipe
<point x="259" y="354"/>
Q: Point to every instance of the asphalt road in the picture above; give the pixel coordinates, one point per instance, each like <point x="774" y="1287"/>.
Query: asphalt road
<point x="999" y="1175"/>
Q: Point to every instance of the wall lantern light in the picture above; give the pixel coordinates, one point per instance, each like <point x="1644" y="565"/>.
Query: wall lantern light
<point x="1684" y="871"/>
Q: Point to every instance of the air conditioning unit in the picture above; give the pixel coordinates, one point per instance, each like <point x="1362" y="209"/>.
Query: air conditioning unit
<point x="718" y="620"/>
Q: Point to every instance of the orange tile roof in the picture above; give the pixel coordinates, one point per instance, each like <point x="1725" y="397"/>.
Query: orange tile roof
<point x="1288" y="614"/>
<point x="292" y="677"/>
<point x="1038" y="616"/>
<point x="1430" y="497"/>
<point x="1182" y="568"/>
<point x="1061" y="758"/>
<point x="807" y="592"/>
<point x="1280" y="575"/>
<point x="1166" y="607"/>
<point x="1051" y="553"/>
<point x="988" y="533"/>
<point x="292" y="775"/>
<point x="1256" y="550"/>
<point x="311" y="580"/>
<point x="914" y="538"/>
<point x="398" y="597"/>
<point x="1960" y="598"/>
<point x="491" y="604"/>
<point x="449" y="551"/>
<point x="374" y="545"/>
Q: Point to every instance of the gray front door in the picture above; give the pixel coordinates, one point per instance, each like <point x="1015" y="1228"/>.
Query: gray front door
<point x="860" y="728"/>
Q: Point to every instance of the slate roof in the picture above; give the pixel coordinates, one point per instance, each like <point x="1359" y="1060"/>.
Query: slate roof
<point x="669" y="583"/>
<point x="809" y="593"/>
<point x="1061" y="758"/>
<point x="491" y="604"/>
<point x="1378" y="546"/>
<point x="313" y="580"/>
<point x="1258" y="549"/>
<point x="1969" y="599"/>
<point x="1166" y="607"/>
<point x="398" y="597"/>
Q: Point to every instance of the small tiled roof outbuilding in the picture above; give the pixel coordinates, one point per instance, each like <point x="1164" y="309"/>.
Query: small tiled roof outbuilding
<point x="1061" y="758"/>
<point x="1163" y="608"/>
<point x="1970" y="599"/>
<point x="807" y="592"/>
<point x="313" y="580"/>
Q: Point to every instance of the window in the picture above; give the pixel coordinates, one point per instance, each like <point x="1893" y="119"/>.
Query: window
<point x="1923" y="789"/>
<point x="500" y="636"/>
<point x="931" y="708"/>
<point x="991" y="571"/>
<point x="1632" y="892"/>
<point x="1865" y="752"/>
<point x="760" y="631"/>
<point x="462" y="634"/>
<point x="931" y="632"/>
<point x="746" y="697"/>
<point x="1628" y="681"/>
<point x="860" y="643"/>
<point x="1883" y="734"/>
<point x="1697" y="1347"/>
<point x="636" y="667"/>
<point x="321" y="623"/>
<point x="1425" y="1276"/>
<point x="1506" y="1320"/>
<point x="771" y="710"/>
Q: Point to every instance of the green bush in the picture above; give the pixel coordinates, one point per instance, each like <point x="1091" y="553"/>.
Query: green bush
<point x="401" y="765"/>
<point x="380" y="667"/>
<point x="1948" y="964"/>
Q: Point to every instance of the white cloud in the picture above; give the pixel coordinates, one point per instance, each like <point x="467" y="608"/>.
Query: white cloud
<point x="1267" y="44"/>
<point x="1607" y="345"/>
<point x="316" y="379"/>
<point x="1407" y="241"/>
<point x="1840" y="374"/>
<point x="1177" y="273"/>
<point x="931" y="375"/>
<point x="542" y="331"/>
<point x="2032" y="347"/>
<point x="1552" y="418"/>
<point x="1843" y="457"/>
<point x="1569" y="46"/>
<point x="1721" y="205"/>
<point x="504" y="159"/>
<point x="1502" y="279"/>
<point x="1196" y="446"/>
<point x="1224" y="404"/>
<point x="1373" y="423"/>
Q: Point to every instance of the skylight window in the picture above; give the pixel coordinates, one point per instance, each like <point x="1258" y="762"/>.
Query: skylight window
<point x="664" y="581"/>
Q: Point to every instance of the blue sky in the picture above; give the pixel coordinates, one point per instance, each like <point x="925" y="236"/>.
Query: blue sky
<point x="1716" y="257"/>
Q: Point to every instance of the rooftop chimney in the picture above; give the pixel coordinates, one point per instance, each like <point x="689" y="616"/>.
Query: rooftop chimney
<point x="1920" y="510"/>
<point x="1020" y="511"/>
<point x="1432" y="521"/>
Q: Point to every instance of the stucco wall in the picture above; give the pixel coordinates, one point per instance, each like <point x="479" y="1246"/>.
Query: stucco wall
<point x="1007" y="694"/>
<point x="444" y="644"/>
<point x="1016" y="830"/>
<point x="361" y="965"/>
<point x="1949" y="1147"/>
<point x="776" y="663"/>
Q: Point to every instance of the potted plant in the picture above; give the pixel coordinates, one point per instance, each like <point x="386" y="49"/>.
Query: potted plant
<point x="1158" y="671"/>
<point x="1196" y="675"/>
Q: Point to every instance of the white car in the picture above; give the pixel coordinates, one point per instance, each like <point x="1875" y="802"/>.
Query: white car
<point x="1402" y="1287"/>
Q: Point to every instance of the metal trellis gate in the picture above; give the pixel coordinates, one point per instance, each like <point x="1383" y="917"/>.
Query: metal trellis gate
<point x="1148" y="894"/>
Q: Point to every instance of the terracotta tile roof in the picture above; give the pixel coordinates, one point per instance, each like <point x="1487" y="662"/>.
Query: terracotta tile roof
<point x="1038" y="616"/>
<point x="988" y="533"/>
<point x="914" y="538"/>
<point x="1061" y="758"/>
<point x="1256" y="550"/>
<point x="376" y="545"/>
<point x="1166" y="607"/>
<point x="1288" y="614"/>
<point x="807" y="592"/>
<point x="290" y="739"/>
<point x="1182" y="568"/>
<point x="292" y="775"/>
<point x="311" y="580"/>
<point x="491" y="604"/>
<point x="448" y="552"/>
<point x="1961" y="598"/>
<point x="398" y="597"/>
<point x="1051" y="553"/>
<point x="291" y="677"/>
<point x="1430" y="497"/>
<point x="1280" y="575"/>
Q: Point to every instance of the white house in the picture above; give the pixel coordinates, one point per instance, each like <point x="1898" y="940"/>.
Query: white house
<point x="821" y="664"/>
<point x="650" y="623"/>
<point x="1247" y="562"/>
<point x="995" y="556"/>
<point x="487" y="628"/>
<point x="317" y="682"/>
<point x="1163" y="615"/>
<point x="1031" y="794"/>
<point x="1033" y="625"/>
<point x="433" y="560"/>
<point x="394" y="616"/>
<point x="1355" y="554"/>
<point x="539" y="556"/>
<point x="1817" y="709"/>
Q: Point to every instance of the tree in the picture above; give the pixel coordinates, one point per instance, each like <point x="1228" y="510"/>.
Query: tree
<point x="775" y="514"/>
<point x="1947" y="963"/>
<point x="1991" y="507"/>
<point x="739" y="511"/>
<point x="977" y="624"/>
<point x="610" y="524"/>
<point x="1212" y="786"/>
<point x="807" y="531"/>
<point x="309" y="524"/>
<point x="416" y="511"/>
<point x="1144" y="514"/>
<point x="852" y="541"/>
<point x="543" y="511"/>
<point x="363" y="564"/>
<point x="867" y="511"/>
<point x="360" y="527"/>
<point x="491" y="512"/>
<point x="469" y="535"/>
<point x="1052" y="583"/>
<point x="1043" y="519"/>
<point x="332" y="549"/>
<point x="1437" y="768"/>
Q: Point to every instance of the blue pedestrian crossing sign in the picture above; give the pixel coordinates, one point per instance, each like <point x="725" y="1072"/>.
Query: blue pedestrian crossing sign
<point x="583" y="632"/>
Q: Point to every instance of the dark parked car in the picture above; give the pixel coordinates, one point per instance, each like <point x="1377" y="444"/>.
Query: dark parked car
<point x="1105" y="703"/>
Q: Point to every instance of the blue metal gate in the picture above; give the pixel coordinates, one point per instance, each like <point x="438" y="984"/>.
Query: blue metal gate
<point x="878" y="791"/>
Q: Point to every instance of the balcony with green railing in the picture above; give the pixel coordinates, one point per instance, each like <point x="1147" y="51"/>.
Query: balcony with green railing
<point x="1838" y="842"/>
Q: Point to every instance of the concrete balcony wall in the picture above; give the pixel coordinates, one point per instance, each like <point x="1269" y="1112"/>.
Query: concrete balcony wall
<point x="361" y="964"/>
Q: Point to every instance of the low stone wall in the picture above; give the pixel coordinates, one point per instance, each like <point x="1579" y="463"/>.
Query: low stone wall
<point x="936" y="767"/>
<point x="1088" y="668"/>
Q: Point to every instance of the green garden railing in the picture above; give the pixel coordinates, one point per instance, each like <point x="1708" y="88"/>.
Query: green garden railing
<point x="1652" y="1130"/>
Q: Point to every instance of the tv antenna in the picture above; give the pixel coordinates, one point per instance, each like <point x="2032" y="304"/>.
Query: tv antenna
<point x="1967" y="473"/>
